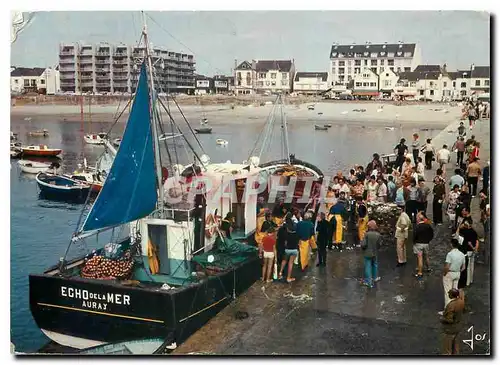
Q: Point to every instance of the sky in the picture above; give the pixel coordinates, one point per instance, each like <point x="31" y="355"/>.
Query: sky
<point x="217" y="38"/>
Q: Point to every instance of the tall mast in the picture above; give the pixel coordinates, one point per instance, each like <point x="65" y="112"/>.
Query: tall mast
<point x="152" y="114"/>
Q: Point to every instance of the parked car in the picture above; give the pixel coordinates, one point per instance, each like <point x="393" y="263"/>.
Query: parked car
<point x="346" y="97"/>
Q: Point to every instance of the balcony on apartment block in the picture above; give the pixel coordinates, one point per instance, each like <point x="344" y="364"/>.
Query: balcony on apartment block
<point x="66" y="61"/>
<point x="105" y="61"/>
<point x="68" y="52"/>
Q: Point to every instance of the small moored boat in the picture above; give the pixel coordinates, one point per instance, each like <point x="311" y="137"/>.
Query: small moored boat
<point x="40" y="150"/>
<point x="320" y="128"/>
<point x="221" y="142"/>
<point x="152" y="346"/>
<point x="42" y="133"/>
<point x="310" y="107"/>
<point x="206" y="130"/>
<point x="389" y="128"/>
<point x="61" y="187"/>
<point x="34" y="167"/>
<point x="328" y="125"/>
<point x="97" y="139"/>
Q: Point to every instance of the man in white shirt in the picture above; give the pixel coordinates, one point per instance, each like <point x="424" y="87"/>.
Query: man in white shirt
<point x="344" y="188"/>
<point x="454" y="264"/>
<point x="443" y="157"/>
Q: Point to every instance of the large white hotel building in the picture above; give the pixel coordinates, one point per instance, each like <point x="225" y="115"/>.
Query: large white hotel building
<point x="351" y="59"/>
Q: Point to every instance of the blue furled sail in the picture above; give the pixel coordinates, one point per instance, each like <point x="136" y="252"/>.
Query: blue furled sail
<point x="129" y="192"/>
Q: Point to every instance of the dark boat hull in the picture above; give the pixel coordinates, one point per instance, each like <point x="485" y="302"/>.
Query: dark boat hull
<point x="74" y="311"/>
<point x="203" y="130"/>
<point x="58" y="187"/>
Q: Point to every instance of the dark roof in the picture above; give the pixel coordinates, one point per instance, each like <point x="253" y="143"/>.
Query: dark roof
<point x="245" y="65"/>
<point x="366" y="49"/>
<point x="415" y="76"/>
<point x="281" y="65"/>
<point x="428" y="68"/>
<point x="24" y="71"/>
<point x="323" y="75"/>
<point x="482" y="72"/>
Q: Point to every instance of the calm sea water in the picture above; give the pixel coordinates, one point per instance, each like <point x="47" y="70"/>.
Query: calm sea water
<point x="41" y="229"/>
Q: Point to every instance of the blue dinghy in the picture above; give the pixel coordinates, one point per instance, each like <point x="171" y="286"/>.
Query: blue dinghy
<point x="61" y="187"/>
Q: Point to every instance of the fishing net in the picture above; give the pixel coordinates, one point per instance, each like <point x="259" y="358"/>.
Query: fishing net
<point x="226" y="254"/>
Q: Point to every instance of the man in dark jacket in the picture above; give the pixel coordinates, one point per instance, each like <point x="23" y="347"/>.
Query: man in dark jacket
<point x="452" y="322"/>
<point x="322" y="229"/>
<point x="424" y="233"/>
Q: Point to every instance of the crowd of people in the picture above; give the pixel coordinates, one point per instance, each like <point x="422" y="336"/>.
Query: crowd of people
<point x="287" y="236"/>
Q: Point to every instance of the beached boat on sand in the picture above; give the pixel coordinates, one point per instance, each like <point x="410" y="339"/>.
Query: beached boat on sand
<point x="41" y="133"/>
<point x="320" y="127"/>
<point x="40" y="150"/>
<point x="221" y="142"/>
<point x="203" y="130"/>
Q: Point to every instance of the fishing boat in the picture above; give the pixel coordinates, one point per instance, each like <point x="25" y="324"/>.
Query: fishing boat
<point x="150" y="346"/>
<point x="95" y="139"/>
<point x="203" y="130"/>
<point x="60" y="187"/>
<point x="34" y="167"/>
<point x="41" y="133"/>
<point x="221" y="142"/>
<point x="172" y="270"/>
<point x="327" y="125"/>
<point x="320" y="127"/>
<point x="41" y="150"/>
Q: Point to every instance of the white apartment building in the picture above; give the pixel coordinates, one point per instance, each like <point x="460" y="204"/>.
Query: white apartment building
<point x="310" y="82"/>
<point x="366" y="83"/>
<point x="106" y="68"/>
<point x="387" y="81"/>
<point x="427" y="82"/>
<point x="262" y="76"/>
<point x="348" y="60"/>
<point x="40" y="80"/>
<point x="244" y="78"/>
<point x="472" y="82"/>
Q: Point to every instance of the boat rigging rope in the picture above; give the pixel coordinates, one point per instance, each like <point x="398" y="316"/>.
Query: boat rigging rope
<point x="262" y="132"/>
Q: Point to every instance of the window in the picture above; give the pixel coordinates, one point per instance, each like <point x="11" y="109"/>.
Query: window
<point x="454" y="83"/>
<point x="373" y="84"/>
<point x="374" y="69"/>
<point x="407" y="69"/>
<point x="357" y="70"/>
<point x="445" y="84"/>
<point x="358" y="84"/>
<point x="432" y="92"/>
<point x="390" y="62"/>
<point x="387" y="82"/>
<point x="273" y="83"/>
<point x="284" y="82"/>
<point x="16" y="81"/>
<point x="486" y="82"/>
<point x="341" y="71"/>
<point x="382" y="62"/>
<point x="260" y="83"/>
<point x="399" y="69"/>
<point x="349" y="78"/>
<point x="357" y="62"/>
<point x="273" y="75"/>
<point x="478" y="82"/>
<point x="366" y="62"/>
<point x="342" y="63"/>
<point x="463" y="85"/>
<point x="333" y="71"/>
<point x="239" y="75"/>
<point x="349" y="62"/>
<point x="365" y="83"/>
<point x="284" y="75"/>
<point x="42" y="81"/>
<point x="421" y="92"/>
<point x="334" y="63"/>
<point x="373" y="62"/>
<point x="431" y="84"/>
<point x="27" y="83"/>
<point x="33" y="82"/>
<point x="268" y="83"/>
<point x="262" y="75"/>
<point x="391" y="68"/>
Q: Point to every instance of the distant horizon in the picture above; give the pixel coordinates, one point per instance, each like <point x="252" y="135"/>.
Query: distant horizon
<point x="216" y="39"/>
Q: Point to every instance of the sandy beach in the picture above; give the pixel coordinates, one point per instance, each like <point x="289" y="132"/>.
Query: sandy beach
<point x="425" y="115"/>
